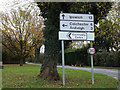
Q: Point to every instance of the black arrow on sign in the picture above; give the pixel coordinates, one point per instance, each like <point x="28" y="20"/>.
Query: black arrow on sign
<point x="69" y="35"/>
<point x="63" y="16"/>
<point x="91" y="28"/>
<point x="64" y="25"/>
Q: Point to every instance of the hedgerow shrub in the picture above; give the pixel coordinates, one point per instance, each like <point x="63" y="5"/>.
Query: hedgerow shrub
<point x="9" y="58"/>
<point x="76" y="57"/>
<point x="80" y="56"/>
<point x="105" y="58"/>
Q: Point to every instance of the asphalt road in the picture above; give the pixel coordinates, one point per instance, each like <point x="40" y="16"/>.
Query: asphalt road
<point x="110" y="72"/>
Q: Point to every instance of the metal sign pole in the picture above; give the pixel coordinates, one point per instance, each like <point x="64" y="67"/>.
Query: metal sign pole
<point x="68" y="23"/>
<point x="63" y="62"/>
<point x="92" y="65"/>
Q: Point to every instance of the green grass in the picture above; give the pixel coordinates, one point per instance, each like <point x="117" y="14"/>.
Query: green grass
<point x="15" y="76"/>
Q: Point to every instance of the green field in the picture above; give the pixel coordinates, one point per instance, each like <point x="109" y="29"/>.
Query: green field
<point x="15" y="76"/>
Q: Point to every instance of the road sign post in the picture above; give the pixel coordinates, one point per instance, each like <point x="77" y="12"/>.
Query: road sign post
<point x="92" y="65"/>
<point x="76" y="27"/>
<point x="62" y="42"/>
<point x="63" y="62"/>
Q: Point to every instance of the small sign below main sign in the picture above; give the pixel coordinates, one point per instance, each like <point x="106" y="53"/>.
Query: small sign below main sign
<point x="80" y="17"/>
<point x="91" y="51"/>
<point x="76" y="36"/>
<point x="76" y="26"/>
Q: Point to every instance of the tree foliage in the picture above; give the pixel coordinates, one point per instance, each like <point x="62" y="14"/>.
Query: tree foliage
<point x="22" y="30"/>
<point x="108" y="34"/>
<point x="114" y="16"/>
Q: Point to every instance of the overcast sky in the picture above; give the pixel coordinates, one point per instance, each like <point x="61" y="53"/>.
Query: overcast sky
<point x="6" y="5"/>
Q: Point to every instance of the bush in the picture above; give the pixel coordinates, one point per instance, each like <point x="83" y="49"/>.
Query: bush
<point x="80" y="56"/>
<point x="100" y="58"/>
<point x="33" y="59"/>
<point x="9" y="58"/>
<point x="30" y="59"/>
<point x="76" y="57"/>
<point x="105" y="58"/>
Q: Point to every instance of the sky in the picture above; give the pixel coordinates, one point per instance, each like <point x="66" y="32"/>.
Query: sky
<point x="9" y="4"/>
<point x="6" y="5"/>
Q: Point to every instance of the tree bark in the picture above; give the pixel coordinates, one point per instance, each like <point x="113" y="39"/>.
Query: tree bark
<point x="21" y="62"/>
<point x="107" y="49"/>
<point x="37" y="54"/>
<point x="49" y="69"/>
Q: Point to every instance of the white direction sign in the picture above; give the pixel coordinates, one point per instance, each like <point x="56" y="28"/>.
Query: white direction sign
<point x="89" y="36"/>
<point x="80" y="17"/>
<point x="76" y="26"/>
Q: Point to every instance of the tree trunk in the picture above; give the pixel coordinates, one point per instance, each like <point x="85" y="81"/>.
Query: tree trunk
<point x="107" y="49"/>
<point x="49" y="69"/>
<point x="21" y="62"/>
<point x="37" y="55"/>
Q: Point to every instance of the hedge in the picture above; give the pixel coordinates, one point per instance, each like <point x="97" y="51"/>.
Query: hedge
<point x="80" y="56"/>
<point x="105" y="58"/>
<point x="77" y="57"/>
<point x="9" y="58"/>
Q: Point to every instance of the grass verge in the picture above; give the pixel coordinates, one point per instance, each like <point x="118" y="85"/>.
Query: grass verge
<point x="15" y="76"/>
